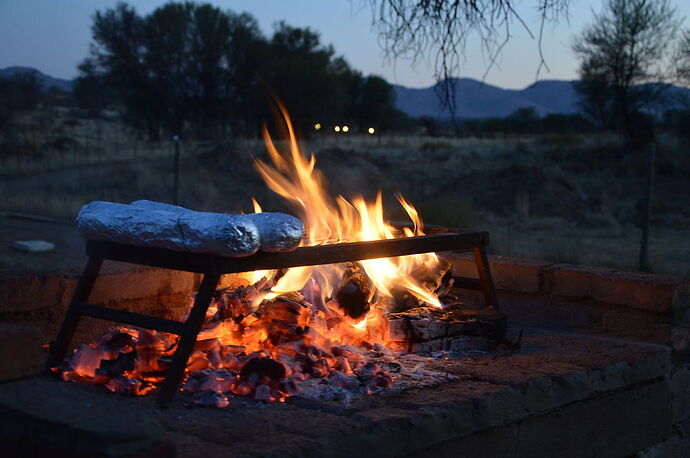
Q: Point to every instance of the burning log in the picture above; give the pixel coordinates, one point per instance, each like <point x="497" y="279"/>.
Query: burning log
<point x="438" y="279"/>
<point x="146" y="223"/>
<point x="354" y="294"/>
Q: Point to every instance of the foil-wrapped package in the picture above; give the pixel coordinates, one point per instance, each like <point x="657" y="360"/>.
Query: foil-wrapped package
<point x="148" y="223"/>
<point x="277" y="231"/>
<point x="197" y="232"/>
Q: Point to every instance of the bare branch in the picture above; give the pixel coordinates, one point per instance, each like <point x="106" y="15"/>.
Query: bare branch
<point x="436" y="31"/>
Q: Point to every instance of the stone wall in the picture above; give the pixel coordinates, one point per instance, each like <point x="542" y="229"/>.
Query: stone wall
<point x="532" y="293"/>
<point x="32" y="307"/>
<point x="642" y="306"/>
<point x="630" y="305"/>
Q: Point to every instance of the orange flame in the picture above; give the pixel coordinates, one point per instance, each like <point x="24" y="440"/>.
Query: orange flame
<point x="295" y="177"/>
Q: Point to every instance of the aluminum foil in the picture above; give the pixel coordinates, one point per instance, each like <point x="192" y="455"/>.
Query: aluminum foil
<point x="183" y="230"/>
<point x="148" y="223"/>
<point x="277" y="231"/>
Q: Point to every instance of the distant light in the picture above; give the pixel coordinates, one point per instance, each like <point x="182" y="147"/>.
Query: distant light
<point x="372" y="130"/>
<point x="317" y="126"/>
<point x="345" y="128"/>
<point x="337" y="128"/>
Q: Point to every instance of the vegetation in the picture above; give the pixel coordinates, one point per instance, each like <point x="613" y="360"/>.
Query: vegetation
<point x="17" y="94"/>
<point x="628" y="58"/>
<point x="194" y="70"/>
<point x="436" y="32"/>
<point x="552" y="186"/>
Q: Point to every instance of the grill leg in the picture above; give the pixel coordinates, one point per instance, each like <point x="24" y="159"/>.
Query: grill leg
<point x="175" y="372"/>
<point x="59" y="347"/>
<point x="485" y="277"/>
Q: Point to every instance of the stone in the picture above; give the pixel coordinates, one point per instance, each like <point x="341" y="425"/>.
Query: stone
<point x="675" y="446"/>
<point x="546" y="395"/>
<point x="20" y="351"/>
<point x="680" y="342"/>
<point x="632" y="289"/>
<point x="681" y="304"/>
<point x="33" y="422"/>
<point x="679" y="381"/>
<point x="616" y="424"/>
<point x="33" y="246"/>
<point x="509" y="274"/>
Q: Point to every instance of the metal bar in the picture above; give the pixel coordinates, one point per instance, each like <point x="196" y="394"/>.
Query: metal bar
<point x="192" y="326"/>
<point x="302" y="256"/>
<point x="484" y="271"/>
<point x="468" y="283"/>
<point x="58" y="348"/>
<point x="135" y="319"/>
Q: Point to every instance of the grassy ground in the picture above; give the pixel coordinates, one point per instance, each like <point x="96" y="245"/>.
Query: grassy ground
<point x="562" y="198"/>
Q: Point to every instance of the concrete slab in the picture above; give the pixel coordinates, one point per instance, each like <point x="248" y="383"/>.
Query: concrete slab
<point x="559" y="380"/>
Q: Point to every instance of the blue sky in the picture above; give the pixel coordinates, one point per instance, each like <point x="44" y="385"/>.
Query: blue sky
<point x="53" y="36"/>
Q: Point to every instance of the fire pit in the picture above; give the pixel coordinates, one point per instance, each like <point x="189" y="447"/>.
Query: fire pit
<point x="214" y="266"/>
<point x="355" y="284"/>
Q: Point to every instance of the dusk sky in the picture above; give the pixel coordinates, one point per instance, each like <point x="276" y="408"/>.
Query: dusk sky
<point x="53" y="36"/>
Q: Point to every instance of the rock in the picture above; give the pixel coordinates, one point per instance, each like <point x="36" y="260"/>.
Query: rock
<point x="33" y="246"/>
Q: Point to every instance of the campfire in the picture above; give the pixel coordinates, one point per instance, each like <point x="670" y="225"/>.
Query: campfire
<point x="331" y="331"/>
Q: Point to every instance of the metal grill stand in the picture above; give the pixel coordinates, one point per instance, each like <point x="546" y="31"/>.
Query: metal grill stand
<point x="212" y="267"/>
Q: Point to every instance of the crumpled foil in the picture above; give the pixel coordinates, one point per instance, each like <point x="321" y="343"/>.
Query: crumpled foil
<point x="277" y="231"/>
<point x="148" y="223"/>
<point x="197" y="232"/>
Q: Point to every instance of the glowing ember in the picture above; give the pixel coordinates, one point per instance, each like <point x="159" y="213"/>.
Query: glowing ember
<point x="287" y="328"/>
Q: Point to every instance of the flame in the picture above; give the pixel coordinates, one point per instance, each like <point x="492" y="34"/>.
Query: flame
<point x="257" y="207"/>
<point x="294" y="177"/>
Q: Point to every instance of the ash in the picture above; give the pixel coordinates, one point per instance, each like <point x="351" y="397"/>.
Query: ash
<point x="404" y="371"/>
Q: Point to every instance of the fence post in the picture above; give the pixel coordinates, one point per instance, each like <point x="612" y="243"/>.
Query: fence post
<point x="176" y="182"/>
<point x="647" y="209"/>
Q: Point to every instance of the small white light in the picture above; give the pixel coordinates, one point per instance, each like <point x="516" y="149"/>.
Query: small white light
<point x="336" y="128"/>
<point x="317" y="126"/>
<point x="372" y="130"/>
<point x="345" y="128"/>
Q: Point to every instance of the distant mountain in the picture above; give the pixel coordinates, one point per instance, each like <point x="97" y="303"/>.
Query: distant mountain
<point x="46" y="81"/>
<point x="475" y="99"/>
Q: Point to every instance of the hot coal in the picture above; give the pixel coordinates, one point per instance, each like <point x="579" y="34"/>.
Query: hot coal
<point x="297" y="343"/>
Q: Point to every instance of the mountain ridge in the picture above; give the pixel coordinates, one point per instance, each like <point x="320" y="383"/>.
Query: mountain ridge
<point x="474" y="99"/>
<point x="46" y="81"/>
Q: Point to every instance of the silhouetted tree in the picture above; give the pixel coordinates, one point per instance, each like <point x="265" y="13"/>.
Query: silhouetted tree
<point x="90" y="90"/>
<point x="193" y="69"/>
<point x="524" y="120"/>
<point x="18" y="93"/>
<point x="629" y="44"/>
<point x="306" y="75"/>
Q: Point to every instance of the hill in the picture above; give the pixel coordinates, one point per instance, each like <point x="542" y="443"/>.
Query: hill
<point x="475" y="99"/>
<point x="46" y="81"/>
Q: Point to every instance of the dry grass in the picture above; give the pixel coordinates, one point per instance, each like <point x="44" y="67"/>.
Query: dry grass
<point x="106" y="161"/>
